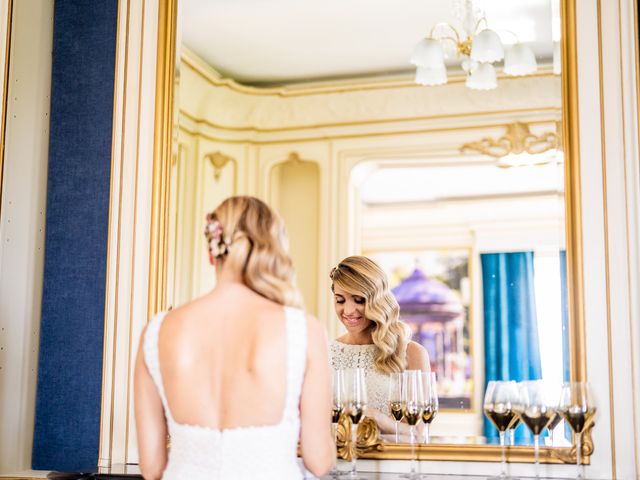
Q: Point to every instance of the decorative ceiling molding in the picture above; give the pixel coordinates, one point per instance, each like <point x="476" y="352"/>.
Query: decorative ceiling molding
<point x="517" y="139"/>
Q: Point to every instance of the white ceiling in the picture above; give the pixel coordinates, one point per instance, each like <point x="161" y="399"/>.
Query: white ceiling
<point x="286" y="41"/>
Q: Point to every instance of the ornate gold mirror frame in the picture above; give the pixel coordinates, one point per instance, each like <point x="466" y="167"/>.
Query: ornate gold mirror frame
<point x="369" y="444"/>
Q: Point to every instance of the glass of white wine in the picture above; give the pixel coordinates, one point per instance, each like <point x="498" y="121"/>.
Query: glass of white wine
<point x="499" y="399"/>
<point x="537" y="411"/>
<point x="578" y="409"/>
<point x="395" y="398"/>
<point x="431" y="404"/>
<point x="355" y="404"/>
<point x="337" y="409"/>
<point x="412" y="405"/>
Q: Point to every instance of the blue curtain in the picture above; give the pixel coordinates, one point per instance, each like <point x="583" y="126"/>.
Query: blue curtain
<point x="511" y="347"/>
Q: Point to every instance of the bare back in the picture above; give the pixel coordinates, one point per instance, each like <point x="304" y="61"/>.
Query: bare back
<point x="223" y="360"/>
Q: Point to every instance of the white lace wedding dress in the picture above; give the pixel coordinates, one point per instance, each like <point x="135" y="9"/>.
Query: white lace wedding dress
<point x="362" y="356"/>
<point x="260" y="452"/>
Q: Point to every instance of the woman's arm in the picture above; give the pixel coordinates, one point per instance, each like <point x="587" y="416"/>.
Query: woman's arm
<point x="151" y="425"/>
<point x="316" y="440"/>
<point x="417" y="357"/>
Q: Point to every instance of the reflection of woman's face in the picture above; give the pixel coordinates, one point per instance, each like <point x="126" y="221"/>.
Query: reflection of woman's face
<point x="350" y="310"/>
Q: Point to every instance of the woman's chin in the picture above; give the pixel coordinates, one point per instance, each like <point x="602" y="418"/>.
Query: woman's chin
<point x="354" y="327"/>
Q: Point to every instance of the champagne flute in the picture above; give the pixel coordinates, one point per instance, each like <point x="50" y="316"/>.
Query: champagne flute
<point x="412" y="405"/>
<point x="395" y="398"/>
<point x="578" y="409"/>
<point x="356" y="402"/>
<point x="337" y="409"/>
<point x="536" y="411"/>
<point x="431" y="404"/>
<point x="498" y="407"/>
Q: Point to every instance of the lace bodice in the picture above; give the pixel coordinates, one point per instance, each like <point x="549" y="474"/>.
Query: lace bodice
<point x="362" y="356"/>
<point x="265" y="452"/>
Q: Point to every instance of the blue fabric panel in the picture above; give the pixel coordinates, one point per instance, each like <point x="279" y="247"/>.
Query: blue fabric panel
<point x="512" y="350"/>
<point x="69" y="389"/>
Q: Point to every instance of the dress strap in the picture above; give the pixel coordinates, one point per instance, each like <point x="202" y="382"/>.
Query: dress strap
<point x="152" y="359"/>
<point x="296" y="360"/>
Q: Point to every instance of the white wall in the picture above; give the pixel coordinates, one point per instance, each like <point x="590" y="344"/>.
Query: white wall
<point x="22" y="223"/>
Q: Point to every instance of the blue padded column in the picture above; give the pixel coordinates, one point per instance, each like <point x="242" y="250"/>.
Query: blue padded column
<point x="69" y="390"/>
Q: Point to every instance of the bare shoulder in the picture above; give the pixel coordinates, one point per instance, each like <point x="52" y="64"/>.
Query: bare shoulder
<point x="417" y="356"/>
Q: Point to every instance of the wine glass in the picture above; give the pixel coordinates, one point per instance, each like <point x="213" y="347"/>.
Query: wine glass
<point x="536" y="410"/>
<point x="431" y="404"/>
<point x="412" y="405"/>
<point x="395" y="398"/>
<point x="356" y="402"/>
<point x="553" y="393"/>
<point x="337" y="409"/>
<point x="578" y="409"/>
<point x="498" y="407"/>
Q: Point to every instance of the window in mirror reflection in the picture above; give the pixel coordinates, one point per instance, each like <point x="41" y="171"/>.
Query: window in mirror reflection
<point x="475" y="256"/>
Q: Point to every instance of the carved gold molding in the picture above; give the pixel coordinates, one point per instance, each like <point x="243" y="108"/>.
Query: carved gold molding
<point x="517" y="139"/>
<point x="218" y="161"/>
<point x="368" y="438"/>
<point x="369" y="445"/>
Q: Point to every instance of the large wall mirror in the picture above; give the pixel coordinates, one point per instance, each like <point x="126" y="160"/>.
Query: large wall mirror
<point x="458" y="177"/>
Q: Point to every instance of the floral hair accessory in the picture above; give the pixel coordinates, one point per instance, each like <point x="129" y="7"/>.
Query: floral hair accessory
<point x="218" y="244"/>
<point x="332" y="273"/>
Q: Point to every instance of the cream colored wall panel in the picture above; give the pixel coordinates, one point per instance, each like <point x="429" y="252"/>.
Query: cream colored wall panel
<point x="297" y="199"/>
<point x="269" y="157"/>
<point x="212" y="192"/>
<point x="129" y="225"/>
<point x="629" y="32"/>
<point x="22" y="225"/>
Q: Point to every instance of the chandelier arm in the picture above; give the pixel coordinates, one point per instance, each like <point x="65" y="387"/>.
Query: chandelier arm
<point x="445" y="24"/>
<point x="511" y="32"/>
<point x="486" y="23"/>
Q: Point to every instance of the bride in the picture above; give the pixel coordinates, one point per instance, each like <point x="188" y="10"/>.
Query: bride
<point x="235" y="378"/>
<point x="376" y="340"/>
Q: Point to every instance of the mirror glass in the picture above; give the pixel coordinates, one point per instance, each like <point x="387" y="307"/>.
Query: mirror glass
<point x="448" y="173"/>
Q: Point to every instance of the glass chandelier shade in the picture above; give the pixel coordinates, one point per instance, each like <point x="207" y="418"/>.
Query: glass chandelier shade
<point x="431" y="76"/>
<point x="487" y="47"/>
<point x="483" y="77"/>
<point x="519" y="60"/>
<point x="428" y="53"/>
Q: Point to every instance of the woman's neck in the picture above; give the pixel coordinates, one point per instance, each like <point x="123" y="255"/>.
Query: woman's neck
<point x="360" y="338"/>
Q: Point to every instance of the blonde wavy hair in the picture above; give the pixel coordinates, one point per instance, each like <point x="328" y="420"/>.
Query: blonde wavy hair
<point x="251" y="238"/>
<point x="363" y="277"/>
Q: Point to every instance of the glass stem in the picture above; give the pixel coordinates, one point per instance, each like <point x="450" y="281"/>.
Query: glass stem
<point x="536" y="453"/>
<point x="503" y="449"/>
<point x="578" y="452"/>
<point x="334" y="430"/>
<point x="354" y="439"/>
<point x="413" y="450"/>
<point x="397" y="431"/>
<point x="426" y="433"/>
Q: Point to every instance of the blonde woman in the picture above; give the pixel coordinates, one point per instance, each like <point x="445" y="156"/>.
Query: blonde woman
<point x="238" y="376"/>
<point x="376" y="339"/>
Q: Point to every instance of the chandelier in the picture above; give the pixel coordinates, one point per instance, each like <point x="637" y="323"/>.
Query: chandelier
<point x="476" y="46"/>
